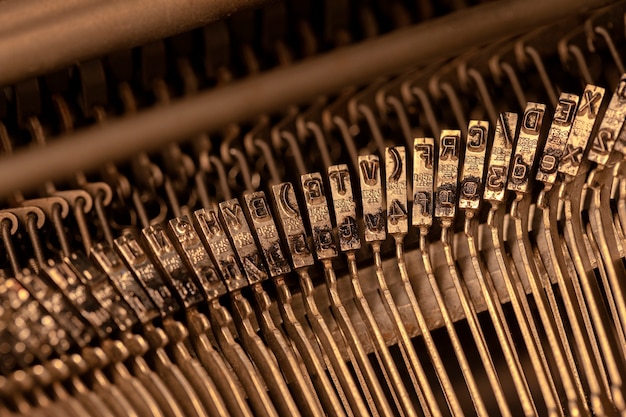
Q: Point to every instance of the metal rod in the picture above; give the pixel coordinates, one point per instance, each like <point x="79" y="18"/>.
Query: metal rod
<point x="17" y="14"/>
<point x="242" y="100"/>
<point x="44" y="38"/>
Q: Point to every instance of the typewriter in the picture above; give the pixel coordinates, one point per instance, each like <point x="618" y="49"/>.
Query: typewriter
<point x="333" y="207"/>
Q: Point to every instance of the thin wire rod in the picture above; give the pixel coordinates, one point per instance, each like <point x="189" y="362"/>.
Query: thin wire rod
<point x="74" y="40"/>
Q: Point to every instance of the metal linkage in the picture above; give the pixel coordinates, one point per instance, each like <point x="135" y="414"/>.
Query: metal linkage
<point x="78" y="36"/>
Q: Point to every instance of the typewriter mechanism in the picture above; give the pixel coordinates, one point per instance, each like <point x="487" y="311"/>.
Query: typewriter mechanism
<point x="310" y="208"/>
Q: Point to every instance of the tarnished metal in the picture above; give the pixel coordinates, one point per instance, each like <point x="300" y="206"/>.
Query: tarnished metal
<point x="557" y="140"/>
<point x="372" y="198"/>
<point x="344" y="207"/>
<point x="267" y="233"/>
<point x="243" y="241"/>
<point x="292" y="225"/>
<point x="396" y="190"/>
<point x="319" y="216"/>
<point x="103" y="290"/>
<point x="423" y="181"/>
<point x="584" y="121"/>
<point x="294" y="233"/>
<point x="605" y="137"/>
<point x="471" y="179"/>
<point x="519" y="181"/>
<point x="138" y="262"/>
<point x="504" y="140"/>
<point x="219" y="246"/>
<point x="197" y="257"/>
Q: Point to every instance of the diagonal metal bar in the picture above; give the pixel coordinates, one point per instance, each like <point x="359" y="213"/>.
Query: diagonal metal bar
<point x="271" y="91"/>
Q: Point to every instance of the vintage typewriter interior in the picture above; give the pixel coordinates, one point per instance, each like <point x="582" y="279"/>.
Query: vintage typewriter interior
<point x="298" y="207"/>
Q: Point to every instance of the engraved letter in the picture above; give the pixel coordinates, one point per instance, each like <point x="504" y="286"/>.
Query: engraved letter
<point x="565" y="110"/>
<point x="589" y="103"/>
<point x="426" y="153"/>
<point x="449" y="148"/>
<point x="532" y="121"/>
<point x="476" y="140"/>
<point x="340" y="180"/>
<point x="258" y="208"/>
<point x="369" y="171"/>
<point x="313" y="190"/>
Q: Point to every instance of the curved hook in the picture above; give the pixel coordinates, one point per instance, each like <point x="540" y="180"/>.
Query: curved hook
<point x="320" y="141"/>
<point x="48" y="204"/>
<point x="395" y="103"/>
<point x="9" y="224"/>
<point x="55" y="208"/>
<point x="231" y="133"/>
<point x="270" y="162"/>
<point x="243" y="167"/>
<point x="101" y="200"/>
<point x="600" y="30"/>
<point x="592" y="30"/>
<point x="374" y="128"/>
<point x="501" y="69"/>
<point x="479" y="81"/>
<point x="515" y="83"/>
<point x="457" y="108"/>
<point x="96" y="188"/>
<point x="81" y="202"/>
<point x="218" y="166"/>
<point x="348" y="139"/>
<point x="33" y="218"/>
<point x="565" y="49"/>
<point x="582" y="63"/>
<point x="258" y="151"/>
<point x="257" y="131"/>
<point x="292" y="143"/>
<point x="541" y="69"/>
<point x="7" y="216"/>
<point x="422" y="97"/>
<point x="74" y="196"/>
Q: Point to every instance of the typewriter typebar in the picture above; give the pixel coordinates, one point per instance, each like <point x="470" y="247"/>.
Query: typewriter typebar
<point x="312" y="208"/>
